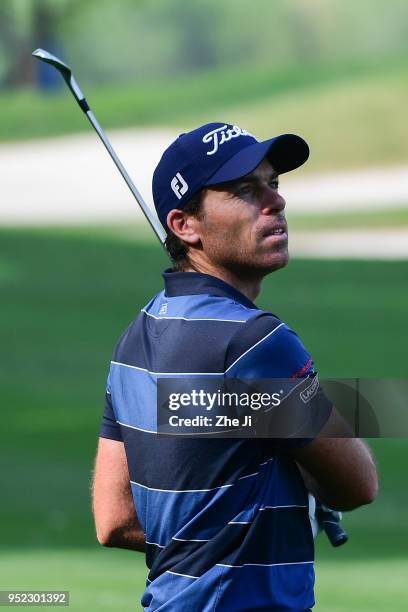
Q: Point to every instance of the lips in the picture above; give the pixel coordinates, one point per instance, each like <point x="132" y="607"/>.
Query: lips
<point x="276" y="230"/>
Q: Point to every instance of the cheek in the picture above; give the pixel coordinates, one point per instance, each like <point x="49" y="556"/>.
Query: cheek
<point x="227" y="234"/>
<point x="221" y="222"/>
<point x="228" y="224"/>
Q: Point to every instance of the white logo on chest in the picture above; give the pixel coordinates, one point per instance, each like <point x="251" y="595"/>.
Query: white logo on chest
<point x="163" y="309"/>
<point x="223" y="134"/>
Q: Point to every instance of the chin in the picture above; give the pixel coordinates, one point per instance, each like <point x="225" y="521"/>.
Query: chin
<point x="252" y="265"/>
<point x="277" y="261"/>
<point x="259" y="269"/>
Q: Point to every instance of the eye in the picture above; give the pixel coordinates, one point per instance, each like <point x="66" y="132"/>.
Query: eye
<point x="245" y="190"/>
<point x="274" y="184"/>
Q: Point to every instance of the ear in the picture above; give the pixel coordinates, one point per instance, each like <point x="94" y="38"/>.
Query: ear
<point x="184" y="226"/>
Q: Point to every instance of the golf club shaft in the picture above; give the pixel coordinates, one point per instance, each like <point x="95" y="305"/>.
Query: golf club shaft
<point x="154" y="223"/>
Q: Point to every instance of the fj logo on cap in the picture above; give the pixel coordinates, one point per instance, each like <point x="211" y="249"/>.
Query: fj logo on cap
<point x="179" y="185"/>
<point x="223" y="134"/>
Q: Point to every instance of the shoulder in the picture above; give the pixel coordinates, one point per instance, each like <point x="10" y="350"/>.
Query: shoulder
<point x="130" y="336"/>
<point x="266" y="347"/>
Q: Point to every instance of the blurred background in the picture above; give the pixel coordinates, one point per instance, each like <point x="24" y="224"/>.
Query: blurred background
<point x="77" y="260"/>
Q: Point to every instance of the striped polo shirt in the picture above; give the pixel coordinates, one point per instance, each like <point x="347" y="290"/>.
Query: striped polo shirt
<point x="226" y="520"/>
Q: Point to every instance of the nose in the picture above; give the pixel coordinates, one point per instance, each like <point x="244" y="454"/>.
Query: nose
<point x="272" y="201"/>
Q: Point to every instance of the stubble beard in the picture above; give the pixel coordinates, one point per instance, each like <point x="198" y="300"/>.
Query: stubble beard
<point x="243" y="261"/>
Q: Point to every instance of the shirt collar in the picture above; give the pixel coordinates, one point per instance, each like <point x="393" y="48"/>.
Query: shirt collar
<point x="194" y="283"/>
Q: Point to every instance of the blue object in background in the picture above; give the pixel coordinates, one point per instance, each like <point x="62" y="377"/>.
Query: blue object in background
<point x="48" y="78"/>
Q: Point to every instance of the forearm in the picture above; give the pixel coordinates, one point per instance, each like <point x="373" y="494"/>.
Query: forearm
<point x="116" y="521"/>
<point x="342" y="474"/>
<point x="117" y="526"/>
<point x="127" y="536"/>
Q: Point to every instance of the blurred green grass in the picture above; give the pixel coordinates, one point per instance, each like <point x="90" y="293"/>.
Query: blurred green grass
<point x="112" y="580"/>
<point x="347" y="123"/>
<point x="97" y="579"/>
<point x="352" y="115"/>
<point x="66" y="297"/>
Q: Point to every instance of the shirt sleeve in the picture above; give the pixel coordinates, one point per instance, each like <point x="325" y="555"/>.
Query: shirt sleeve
<point x="110" y="428"/>
<point x="269" y="350"/>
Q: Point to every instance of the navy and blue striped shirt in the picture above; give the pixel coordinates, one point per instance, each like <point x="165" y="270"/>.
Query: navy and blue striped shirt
<point x="226" y="520"/>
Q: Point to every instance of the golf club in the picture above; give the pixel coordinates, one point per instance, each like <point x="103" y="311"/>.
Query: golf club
<point x="69" y="79"/>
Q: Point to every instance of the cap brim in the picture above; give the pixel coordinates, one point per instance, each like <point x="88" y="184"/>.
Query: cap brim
<point x="285" y="153"/>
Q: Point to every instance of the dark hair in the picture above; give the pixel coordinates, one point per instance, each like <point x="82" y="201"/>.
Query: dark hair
<point x="176" y="248"/>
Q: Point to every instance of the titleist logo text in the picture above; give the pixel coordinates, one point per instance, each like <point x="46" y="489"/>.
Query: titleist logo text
<point x="223" y="134"/>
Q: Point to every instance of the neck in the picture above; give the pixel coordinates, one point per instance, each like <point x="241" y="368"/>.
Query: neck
<point x="250" y="287"/>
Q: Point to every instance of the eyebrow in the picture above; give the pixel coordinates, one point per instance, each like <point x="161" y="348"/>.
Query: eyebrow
<point x="256" y="179"/>
<point x="230" y="185"/>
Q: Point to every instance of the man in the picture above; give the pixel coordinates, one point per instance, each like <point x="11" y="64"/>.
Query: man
<point x="224" y="522"/>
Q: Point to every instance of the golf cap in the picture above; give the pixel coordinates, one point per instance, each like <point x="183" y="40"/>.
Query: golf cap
<point x="216" y="153"/>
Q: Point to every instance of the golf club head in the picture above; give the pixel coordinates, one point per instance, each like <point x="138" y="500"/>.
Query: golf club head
<point x="47" y="57"/>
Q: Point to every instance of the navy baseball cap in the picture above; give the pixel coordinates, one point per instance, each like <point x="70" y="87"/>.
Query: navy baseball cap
<point x="216" y="153"/>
